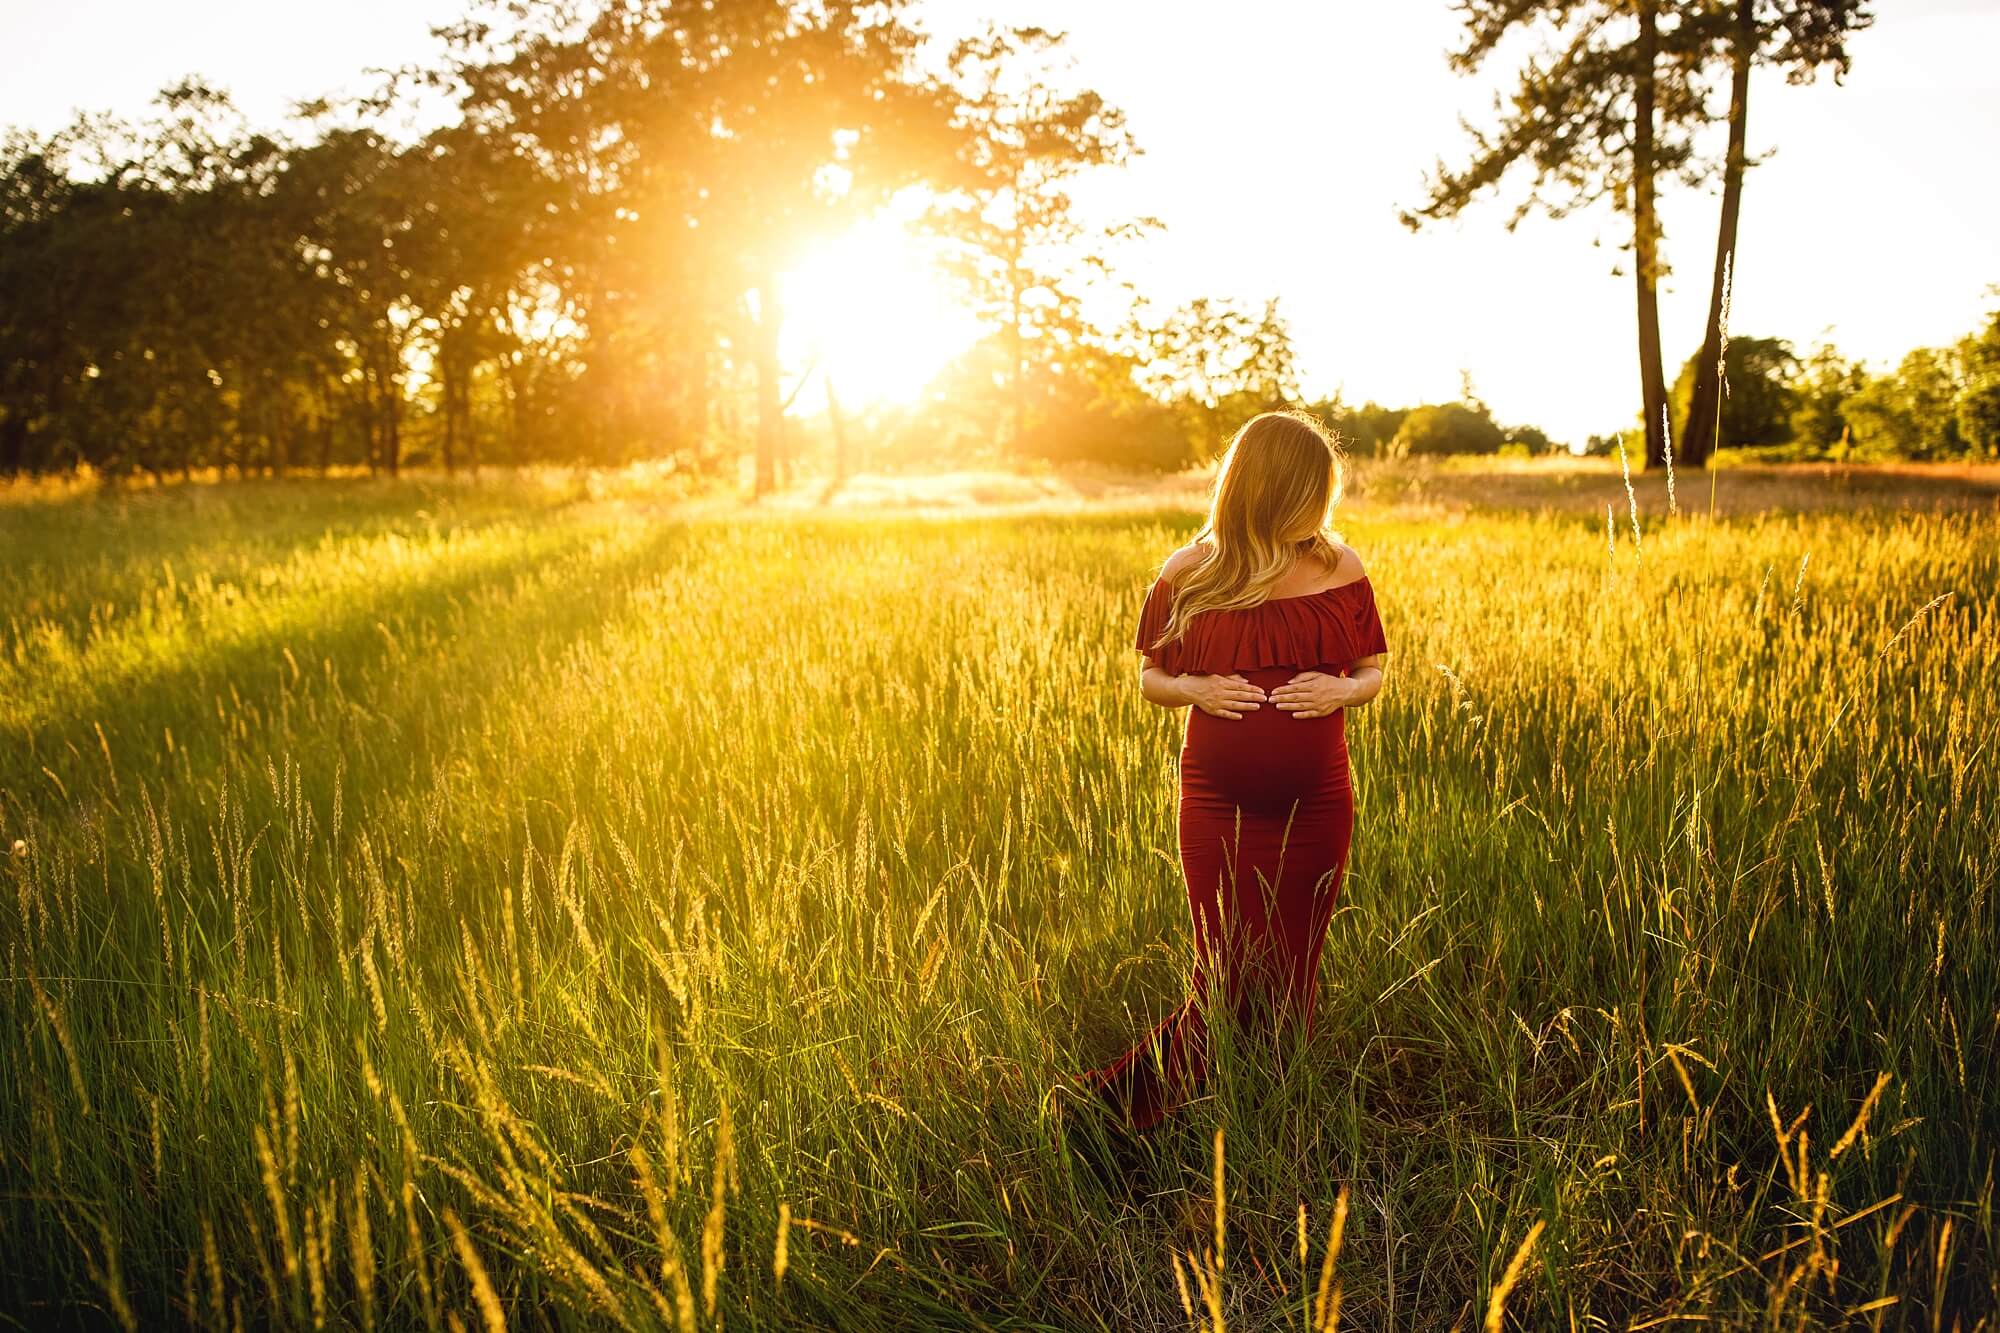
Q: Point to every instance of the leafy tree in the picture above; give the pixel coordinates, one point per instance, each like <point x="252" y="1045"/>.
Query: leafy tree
<point x="585" y="265"/>
<point x="1446" y="428"/>
<point x="358" y="241"/>
<point x="153" y="293"/>
<point x="1910" y="412"/>
<point x="467" y="246"/>
<point x="38" y="353"/>
<point x="1824" y="382"/>
<point x="1533" y="438"/>
<point x="1219" y="362"/>
<point x="1381" y="423"/>
<point x="1097" y="413"/>
<point x="814" y="115"/>
<point x="1760" y="402"/>
<point x="1979" y="398"/>
<point x="1367" y="430"/>
<point x="688" y="154"/>
<point x="1018" y="240"/>
<point x="1632" y="439"/>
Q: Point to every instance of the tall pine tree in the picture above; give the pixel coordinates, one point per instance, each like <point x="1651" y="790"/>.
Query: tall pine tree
<point x="1604" y="106"/>
<point x="1799" y="36"/>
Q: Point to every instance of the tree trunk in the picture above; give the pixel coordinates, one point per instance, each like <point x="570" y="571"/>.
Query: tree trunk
<point x="448" y="391"/>
<point x="697" y="410"/>
<point x="1701" y="432"/>
<point x="13" y="443"/>
<point x="471" y="435"/>
<point x="281" y="424"/>
<point x="515" y="431"/>
<point x="838" y="421"/>
<point x="370" y="412"/>
<point x="392" y="430"/>
<point x="392" y="407"/>
<point x="769" y="407"/>
<point x="324" y="426"/>
<point x="1646" y="237"/>
<point x="1017" y="347"/>
<point x="184" y="444"/>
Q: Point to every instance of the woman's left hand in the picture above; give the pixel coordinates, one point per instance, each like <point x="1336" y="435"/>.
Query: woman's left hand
<point x="1314" y="694"/>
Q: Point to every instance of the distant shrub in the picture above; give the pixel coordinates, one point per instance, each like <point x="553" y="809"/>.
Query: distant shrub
<point x="1908" y="413"/>
<point x="1447" y="428"/>
<point x="1797" y="451"/>
<point x="1758" y="408"/>
<point x="1141" y="434"/>
<point x="1979" y="416"/>
<point x="1366" y="431"/>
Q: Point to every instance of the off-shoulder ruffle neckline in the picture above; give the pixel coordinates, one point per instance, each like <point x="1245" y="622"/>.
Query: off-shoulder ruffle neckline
<point x="1305" y="629"/>
<point x="1302" y="596"/>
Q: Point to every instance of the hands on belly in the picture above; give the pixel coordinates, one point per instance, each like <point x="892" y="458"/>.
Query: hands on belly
<point x="1264" y="759"/>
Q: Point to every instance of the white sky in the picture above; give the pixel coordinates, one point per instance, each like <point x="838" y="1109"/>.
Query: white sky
<point x="1278" y="145"/>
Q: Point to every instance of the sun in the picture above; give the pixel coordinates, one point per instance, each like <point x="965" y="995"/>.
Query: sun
<point x="869" y="311"/>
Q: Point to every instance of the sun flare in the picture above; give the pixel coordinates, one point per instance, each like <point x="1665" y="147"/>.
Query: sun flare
<point x="870" y="311"/>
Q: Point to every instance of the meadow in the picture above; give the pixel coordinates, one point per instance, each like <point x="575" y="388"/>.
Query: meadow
<point x="436" y="905"/>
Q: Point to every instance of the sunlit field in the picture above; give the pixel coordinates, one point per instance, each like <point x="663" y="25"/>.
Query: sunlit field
<point x="439" y="905"/>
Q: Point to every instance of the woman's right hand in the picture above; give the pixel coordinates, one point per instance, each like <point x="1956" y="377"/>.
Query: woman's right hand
<point x="1222" y="696"/>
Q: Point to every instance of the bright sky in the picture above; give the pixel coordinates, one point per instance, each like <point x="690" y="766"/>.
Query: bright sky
<point x="1278" y="145"/>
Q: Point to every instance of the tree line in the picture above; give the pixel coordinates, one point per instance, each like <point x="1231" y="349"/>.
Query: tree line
<point x="583" y="263"/>
<point x="1937" y="403"/>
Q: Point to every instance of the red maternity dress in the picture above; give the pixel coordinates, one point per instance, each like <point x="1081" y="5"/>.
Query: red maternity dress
<point x="1266" y="811"/>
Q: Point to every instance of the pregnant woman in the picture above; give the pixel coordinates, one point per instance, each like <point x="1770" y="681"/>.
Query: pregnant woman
<point x="1265" y="628"/>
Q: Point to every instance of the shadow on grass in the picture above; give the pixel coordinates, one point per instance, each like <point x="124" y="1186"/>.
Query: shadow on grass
<point x="210" y="694"/>
<point x="62" y="558"/>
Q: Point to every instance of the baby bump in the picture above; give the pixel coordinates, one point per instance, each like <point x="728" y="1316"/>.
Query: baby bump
<point x="1266" y="759"/>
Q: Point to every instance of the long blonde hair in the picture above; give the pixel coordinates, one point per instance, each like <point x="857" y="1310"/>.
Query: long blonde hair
<point x="1273" y="503"/>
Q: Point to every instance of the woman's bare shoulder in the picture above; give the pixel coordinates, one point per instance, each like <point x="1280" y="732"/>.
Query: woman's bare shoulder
<point x="1183" y="560"/>
<point x="1334" y="569"/>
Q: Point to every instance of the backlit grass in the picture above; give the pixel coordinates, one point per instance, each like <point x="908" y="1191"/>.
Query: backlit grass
<point x="433" y="903"/>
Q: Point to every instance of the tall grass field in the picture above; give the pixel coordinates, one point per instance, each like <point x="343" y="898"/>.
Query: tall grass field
<point x="437" y="906"/>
